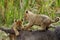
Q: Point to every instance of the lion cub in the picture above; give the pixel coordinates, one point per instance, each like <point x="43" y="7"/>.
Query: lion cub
<point x="37" y="19"/>
<point x="17" y="25"/>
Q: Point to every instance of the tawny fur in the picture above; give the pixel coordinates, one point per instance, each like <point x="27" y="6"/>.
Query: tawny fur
<point x="17" y="25"/>
<point x="12" y="36"/>
<point x="37" y="19"/>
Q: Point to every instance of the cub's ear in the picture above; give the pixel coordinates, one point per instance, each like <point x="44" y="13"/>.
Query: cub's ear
<point x="21" y="19"/>
<point x="26" y="11"/>
<point x="15" y="20"/>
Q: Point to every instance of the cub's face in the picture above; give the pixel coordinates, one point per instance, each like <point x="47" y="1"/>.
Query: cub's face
<point x="18" y="22"/>
<point x="26" y="16"/>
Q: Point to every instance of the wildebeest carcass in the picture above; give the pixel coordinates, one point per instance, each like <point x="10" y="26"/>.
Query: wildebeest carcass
<point x="57" y="32"/>
<point x="31" y="35"/>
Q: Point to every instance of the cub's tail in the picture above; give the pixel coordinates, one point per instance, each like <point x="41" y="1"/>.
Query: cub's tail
<point x="56" y="20"/>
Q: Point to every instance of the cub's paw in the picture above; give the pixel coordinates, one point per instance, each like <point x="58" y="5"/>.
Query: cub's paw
<point x="17" y="33"/>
